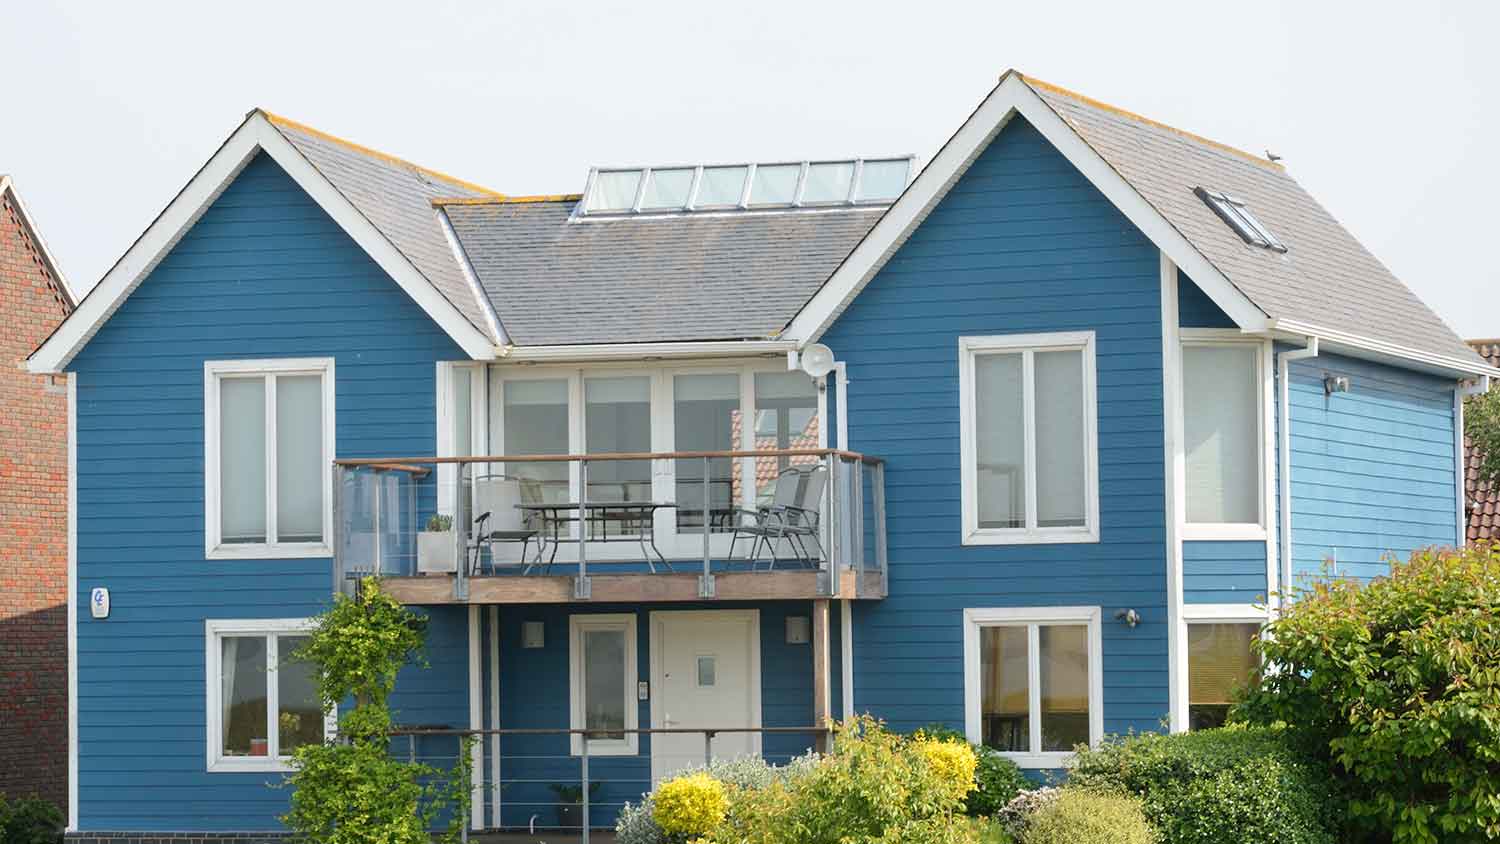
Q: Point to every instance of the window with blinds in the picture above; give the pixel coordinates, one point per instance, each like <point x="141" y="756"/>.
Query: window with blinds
<point x="1220" y="663"/>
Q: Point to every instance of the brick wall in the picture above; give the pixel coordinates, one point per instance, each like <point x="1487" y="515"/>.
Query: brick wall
<point x="33" y="526"/>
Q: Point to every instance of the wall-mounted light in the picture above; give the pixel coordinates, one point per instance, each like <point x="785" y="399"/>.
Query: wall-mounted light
<point x="1130" y="617"/>
<point x="533" y="634"/>
<point x="798" y="629"/>
<point x="1335" y="384"/>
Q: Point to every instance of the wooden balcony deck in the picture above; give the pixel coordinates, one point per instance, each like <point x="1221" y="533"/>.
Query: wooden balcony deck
<point x="632" y="588"/>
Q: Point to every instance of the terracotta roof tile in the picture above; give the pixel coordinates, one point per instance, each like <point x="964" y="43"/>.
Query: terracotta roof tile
<point x="1481" y="498"/>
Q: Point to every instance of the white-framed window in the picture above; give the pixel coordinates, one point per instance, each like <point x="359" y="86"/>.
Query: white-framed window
<point x="1221" y="659"/>
<point x="1029" y="438"/>
<point x="1225" y="408"/>
<point x="1033" y="681"/>
<point x="602" y="683"/>
<point x="268" y="429"/>
<point x="260" y="705"/>
<point x="701" y="406"/>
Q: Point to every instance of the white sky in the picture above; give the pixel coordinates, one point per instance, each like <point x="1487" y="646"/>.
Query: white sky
<point x="1388" y="112"/>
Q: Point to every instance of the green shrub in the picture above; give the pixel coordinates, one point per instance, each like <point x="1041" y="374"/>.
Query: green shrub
<point x="690" y="805"/>
<point x="636" y="823"/>
<point x="997" y="780"/>
<point x="1396" y="684"/>
<point x="30" y="820"/>
<point x="1082" y="816"/>
<point x="1222" y="786"/>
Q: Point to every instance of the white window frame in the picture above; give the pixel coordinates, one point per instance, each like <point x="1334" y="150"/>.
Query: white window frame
<point x="215" y="631"/>
<point x="976" y="619"/>
<point x="268" y="368"/>
<point x="579" y="624"/>
<point x="1265" y="426"/>
<point x="969" y="349"/>
<point x="446" y="405"/>
<point x="1212" y="614"/>
<point x="663" y="436"/>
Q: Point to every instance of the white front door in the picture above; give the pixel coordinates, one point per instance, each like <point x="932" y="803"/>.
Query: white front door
<point x="705" y="672"/>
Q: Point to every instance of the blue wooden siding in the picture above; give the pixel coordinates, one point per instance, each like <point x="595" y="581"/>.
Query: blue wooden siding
<point x="534" y="695"/>
<point x="1023" y="243"/>
<point x="264" y="273"/>
<point x="1195" y="309"/>
<point x="1372" y="469"/>
<point x="1220" y="572"/>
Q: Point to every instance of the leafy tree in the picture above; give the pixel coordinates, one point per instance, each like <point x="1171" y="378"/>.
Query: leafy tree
<point x="1482" y="426"/>
<point x="1396" y="684"/>
<point x="355" y="792"/>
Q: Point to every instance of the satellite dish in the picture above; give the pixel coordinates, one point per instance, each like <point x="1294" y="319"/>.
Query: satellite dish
<point x="817" y="360"/>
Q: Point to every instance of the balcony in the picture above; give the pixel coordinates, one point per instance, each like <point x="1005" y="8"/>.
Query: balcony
<point x="686" y="526"/>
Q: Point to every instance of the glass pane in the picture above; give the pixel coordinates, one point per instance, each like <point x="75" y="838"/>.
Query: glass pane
<point x="242" y="677"/>
<point x="1005" y="693"/>
<point x="706" y="417"/>
<point x="668" y="188"/>
<point x="828" y="182"/>
<point x="1065" y="686"/>
<point x="614" y="191"/>
<point x="775" y="184"/>
<point x="1060" y="446"/>
<point x="299" y="716"/>
<point x="299" y="458"/>
<point x="617" y="418"/>
<point x="604" y="682"/>
<point x="883" y="180"/>
<point x="242" y="459"/>
<point x="1000" y="437"/>
<point x="786" y="417"/>
<point x="1220" y="663"/>
<point x="535" y="419"/>
<point x="721" y="186"/>
<point x="707" y="671"/>
<point x="1221" y="429"/>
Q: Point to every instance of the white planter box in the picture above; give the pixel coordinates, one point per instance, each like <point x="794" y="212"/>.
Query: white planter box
<point x="436" y="553"/>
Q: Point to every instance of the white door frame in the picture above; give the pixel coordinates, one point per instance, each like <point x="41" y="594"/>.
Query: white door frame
<point x="657" y="681"/>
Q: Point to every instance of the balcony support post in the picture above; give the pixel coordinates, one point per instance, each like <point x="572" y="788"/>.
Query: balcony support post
<point x="581" y="587"/>
<point x="822" y="693"/>
<point x="706" y="580"/>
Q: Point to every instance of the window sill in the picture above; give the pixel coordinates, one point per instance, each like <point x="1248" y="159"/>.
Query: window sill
<point x="1038" y="760"/>
<point x="613" y="748"/>
<point x="983" y="536"/>
<point x="278" y="551"/>
<point x="1223" y="532"/>
<point x="250" y="765"/>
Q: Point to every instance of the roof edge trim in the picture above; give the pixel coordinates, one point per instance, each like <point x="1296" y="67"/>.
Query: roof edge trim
<point x="1013" y="95"/>
<point x="8" y="185"/>
<point x="492" y="320"/>
<point x="254" y="135"/>
<point x="637" y="351"/>
<point x="1388" y="351"/>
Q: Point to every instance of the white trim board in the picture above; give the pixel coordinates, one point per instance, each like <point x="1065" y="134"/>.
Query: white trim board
<point x="1175" y="475"/>
<point x="1010" y="97"/>
<point x="72" y="602"/>
<point x="255" y="135"/>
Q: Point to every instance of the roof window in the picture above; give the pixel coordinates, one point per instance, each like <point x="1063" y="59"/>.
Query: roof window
<point x="797" y="184"/>
<point x="1237" y="215"/>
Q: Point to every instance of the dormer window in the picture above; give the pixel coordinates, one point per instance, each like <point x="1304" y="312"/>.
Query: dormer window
<point x="1237" y="214"/>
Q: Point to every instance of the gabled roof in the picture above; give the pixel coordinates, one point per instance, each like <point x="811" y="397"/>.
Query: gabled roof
<point x="59" y="282"/>
<point x="689" y="277"/>
<point x="1326" y="283"/>
<point x="368" y="194"/>
<point x="1481" y="498"/>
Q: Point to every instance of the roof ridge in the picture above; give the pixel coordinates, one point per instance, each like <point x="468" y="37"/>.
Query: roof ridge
<point x="1140" y="118"/>
<point x="288" y="123"/>
<point x="505" y="200"/>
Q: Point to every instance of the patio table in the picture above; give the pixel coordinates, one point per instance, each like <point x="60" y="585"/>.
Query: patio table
<point x="637" y="516"/>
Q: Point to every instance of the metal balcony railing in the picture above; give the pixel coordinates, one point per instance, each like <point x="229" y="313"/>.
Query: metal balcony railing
<point x="816" y="511"/>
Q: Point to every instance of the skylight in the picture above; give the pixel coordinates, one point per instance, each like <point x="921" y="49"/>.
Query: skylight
<point x="1237" y="215"/>
<point x="797" y="184"/>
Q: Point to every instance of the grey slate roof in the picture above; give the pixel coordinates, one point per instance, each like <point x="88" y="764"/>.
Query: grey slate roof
<point x="732" y="276"/>
<point x="1326" y="278"/>
<point x="396" y="197"/>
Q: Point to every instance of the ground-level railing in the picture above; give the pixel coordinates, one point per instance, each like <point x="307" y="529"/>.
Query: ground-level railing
<point x="574" y="781"/>
<point x="821" y="511"/>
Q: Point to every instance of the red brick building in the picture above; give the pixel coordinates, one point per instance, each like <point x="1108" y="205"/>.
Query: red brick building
<point x="1481" y="499"/>
<point x="33" y="517"/>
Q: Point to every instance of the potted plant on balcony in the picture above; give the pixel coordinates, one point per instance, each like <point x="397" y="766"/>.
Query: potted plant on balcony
<point x="436" y="549"/>
<point x="570" y="803"/>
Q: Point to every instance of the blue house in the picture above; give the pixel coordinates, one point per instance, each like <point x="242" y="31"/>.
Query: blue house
<point x="1024" y="442"/>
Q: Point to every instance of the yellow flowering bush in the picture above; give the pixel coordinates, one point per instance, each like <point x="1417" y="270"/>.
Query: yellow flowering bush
<point x="952" y="762"/>
<point x="690" y="805"/>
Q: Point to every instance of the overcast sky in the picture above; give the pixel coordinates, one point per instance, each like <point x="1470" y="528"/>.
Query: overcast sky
<point x="1389" y="113"/>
